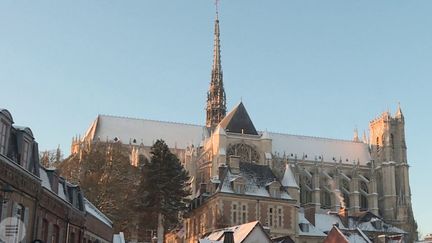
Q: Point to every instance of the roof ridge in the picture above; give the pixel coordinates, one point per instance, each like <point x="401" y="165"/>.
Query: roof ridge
<point x="317" y="137"/>
<point x="153" y="120"/>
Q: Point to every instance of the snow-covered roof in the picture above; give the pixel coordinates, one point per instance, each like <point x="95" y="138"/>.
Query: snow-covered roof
<point x="91" y="209"/>
<point x="240" y="233"/>
<point x="145" y="131"/>
<point x="256" y="178"/>
<point x="44" y="177"/>
<point x="181" y="135"/>
<point x="61" y="192"/>
<point x="313" y="147"/>
<point x="288" y="179"/>
<point x="312" y="230"/>
<point x="325" y="222"/>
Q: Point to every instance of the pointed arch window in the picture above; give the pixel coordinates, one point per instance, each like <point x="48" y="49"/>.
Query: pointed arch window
<point x="364" y="192"/>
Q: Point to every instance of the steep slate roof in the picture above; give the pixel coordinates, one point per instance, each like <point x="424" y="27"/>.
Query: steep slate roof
<point x="257" y="178"/>
<point x="238" y="121"/>
<point x="288" y="179"/>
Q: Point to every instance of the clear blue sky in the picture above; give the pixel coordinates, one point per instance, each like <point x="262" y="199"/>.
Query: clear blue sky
<point x="316" y="68"/>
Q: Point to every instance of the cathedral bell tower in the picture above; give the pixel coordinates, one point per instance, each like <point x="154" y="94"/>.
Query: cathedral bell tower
<point x="216" y="100"/>
<point x="389" y="152"/>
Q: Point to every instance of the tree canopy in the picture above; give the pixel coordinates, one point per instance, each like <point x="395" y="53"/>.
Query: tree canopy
<point x="164" y="185"/>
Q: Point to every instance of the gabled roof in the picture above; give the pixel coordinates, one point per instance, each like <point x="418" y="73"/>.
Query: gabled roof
<point x="348" y="236"/>
<point x="238" y="121"/>
<point x="240" y="233"/>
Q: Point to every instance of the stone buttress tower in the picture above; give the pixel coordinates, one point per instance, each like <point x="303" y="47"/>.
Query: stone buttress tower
<point x="216" y="100"/>
<point x="389" y="152"/>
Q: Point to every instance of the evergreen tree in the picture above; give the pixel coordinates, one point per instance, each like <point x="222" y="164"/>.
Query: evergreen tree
<point x="164" y="187"/>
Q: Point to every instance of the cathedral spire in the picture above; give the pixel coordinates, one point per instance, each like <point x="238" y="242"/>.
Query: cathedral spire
<point x="216" y="100"/>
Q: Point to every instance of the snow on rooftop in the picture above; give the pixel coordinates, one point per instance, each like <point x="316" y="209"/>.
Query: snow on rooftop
<point x="325" y="222"/>
<point x="315" y="147"/>
<point x="313" y="231"/>
<point x="181" y="135"/>
<point x="240" y="232"/>
<point x="61" y="193"/>
<point x="44" y="177"/>
<point x="356" y="238"/>
<point x="288" y="179"/>
<point x="91" y="209"/>
<point x="145" y="131"/>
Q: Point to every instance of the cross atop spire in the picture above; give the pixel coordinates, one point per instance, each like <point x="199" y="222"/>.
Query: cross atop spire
<point x="216" y="100"/>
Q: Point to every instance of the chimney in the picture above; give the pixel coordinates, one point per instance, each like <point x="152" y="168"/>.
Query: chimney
<point x="222" y="172"/>
<point x="343" y="215"/>
<point x="203" y="188"/>
<point x="228" y="236"/>
<point x="309" y="212"/>
<point x="234" y="164"/>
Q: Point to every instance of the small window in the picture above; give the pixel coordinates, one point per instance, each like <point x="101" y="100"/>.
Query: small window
<point x="3" y="137"/>
<point x="25" y="155"/>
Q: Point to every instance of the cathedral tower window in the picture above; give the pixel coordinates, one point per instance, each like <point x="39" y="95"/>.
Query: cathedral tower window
<point x="377" y="144"/>
<point x="246" y="152"/>
<point x="363" y="196"/>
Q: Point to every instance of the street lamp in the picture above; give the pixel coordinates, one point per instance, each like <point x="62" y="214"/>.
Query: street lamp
<point x="6" y="191"/>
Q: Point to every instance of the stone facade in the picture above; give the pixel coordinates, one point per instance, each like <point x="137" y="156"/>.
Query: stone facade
<point x="50" y="208"/>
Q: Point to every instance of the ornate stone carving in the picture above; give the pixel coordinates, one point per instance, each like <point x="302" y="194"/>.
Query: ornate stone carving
<point x="246" y="152"/>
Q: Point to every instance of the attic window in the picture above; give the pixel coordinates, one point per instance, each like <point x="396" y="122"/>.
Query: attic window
<point x="3" y="136"/>
<point x="25" y="157"/>
<point x="116" y="139"/>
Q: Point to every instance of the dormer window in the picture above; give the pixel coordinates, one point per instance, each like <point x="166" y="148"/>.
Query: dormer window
<point x="3" y="136"/>
<point x="6" y="122"/>
<point x="274" y="189"/>
<point x="239" y="185"/>
<point x="25" y="154"/>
